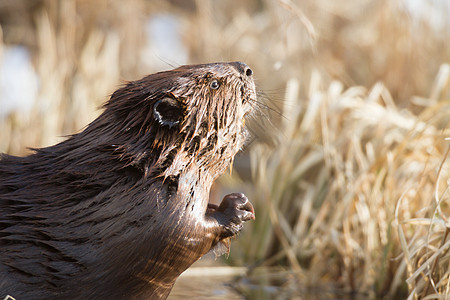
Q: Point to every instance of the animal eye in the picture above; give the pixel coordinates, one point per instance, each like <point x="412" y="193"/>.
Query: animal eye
<point x="214" y="84"/>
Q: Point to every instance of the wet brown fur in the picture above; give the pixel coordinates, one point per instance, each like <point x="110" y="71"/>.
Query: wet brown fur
<point x="119" y="210"/>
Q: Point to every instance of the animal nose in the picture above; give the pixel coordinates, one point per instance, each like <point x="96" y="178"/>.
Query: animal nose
<point x="242" y="68"/>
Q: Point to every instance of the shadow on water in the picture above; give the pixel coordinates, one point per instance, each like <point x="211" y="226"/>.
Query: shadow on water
<point x="208" y="279"/>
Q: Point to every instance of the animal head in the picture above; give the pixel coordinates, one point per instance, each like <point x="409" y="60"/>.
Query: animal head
<point x="193" y="114"/>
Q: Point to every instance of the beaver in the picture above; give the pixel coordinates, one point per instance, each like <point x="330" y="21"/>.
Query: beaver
<point x="120" y="209"/>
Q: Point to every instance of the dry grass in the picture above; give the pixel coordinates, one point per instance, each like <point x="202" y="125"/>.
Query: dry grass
<point x="78" y="64"/>
<point x="351" y="188"/>
<point x="357" y="192"/>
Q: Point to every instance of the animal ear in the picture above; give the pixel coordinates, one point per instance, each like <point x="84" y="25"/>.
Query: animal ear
<point x="168" y="111"/>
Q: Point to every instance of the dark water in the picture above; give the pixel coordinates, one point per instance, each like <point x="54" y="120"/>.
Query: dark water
<point x="209" y="279"/>
<point x="204" y="287"/>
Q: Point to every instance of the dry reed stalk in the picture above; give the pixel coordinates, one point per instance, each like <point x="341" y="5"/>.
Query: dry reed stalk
<point x="333" y="182"/>
<point x="345" y="156"/>
<point x="78" y="65"/>
<point x="279" y="39"/>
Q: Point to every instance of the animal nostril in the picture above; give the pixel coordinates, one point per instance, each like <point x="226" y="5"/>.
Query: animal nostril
<point x="249" y="72"/>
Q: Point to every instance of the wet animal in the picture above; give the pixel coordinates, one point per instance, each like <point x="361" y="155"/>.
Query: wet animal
<point x="121" y="209"/>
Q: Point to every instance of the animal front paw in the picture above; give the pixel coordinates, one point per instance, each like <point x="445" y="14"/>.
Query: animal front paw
<point x="232" y="212"/>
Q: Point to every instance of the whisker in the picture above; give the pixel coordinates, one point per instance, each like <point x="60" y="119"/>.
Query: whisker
<point x="263" y="108"/>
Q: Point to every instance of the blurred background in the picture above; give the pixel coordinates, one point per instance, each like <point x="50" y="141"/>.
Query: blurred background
<point x="348" y="163"/>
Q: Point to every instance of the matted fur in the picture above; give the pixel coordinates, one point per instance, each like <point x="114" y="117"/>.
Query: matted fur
<point x="119" y="210"/>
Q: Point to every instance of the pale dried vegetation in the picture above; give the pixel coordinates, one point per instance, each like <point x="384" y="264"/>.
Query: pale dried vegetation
<point x="351" y="185"/>
<point x="357" y="192"/>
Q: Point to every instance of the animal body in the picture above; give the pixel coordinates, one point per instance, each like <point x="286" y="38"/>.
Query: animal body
<point x="121" y="209"/>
